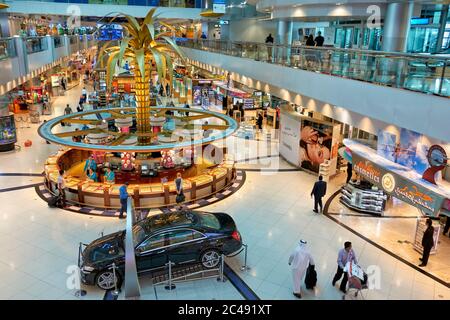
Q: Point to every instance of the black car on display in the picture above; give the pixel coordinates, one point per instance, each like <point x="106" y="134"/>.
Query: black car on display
<point x="182" y="237"/>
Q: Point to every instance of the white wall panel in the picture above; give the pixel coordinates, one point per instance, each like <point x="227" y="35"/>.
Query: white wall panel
<point x="9" y="70"/>
<point x="39" y="59"/>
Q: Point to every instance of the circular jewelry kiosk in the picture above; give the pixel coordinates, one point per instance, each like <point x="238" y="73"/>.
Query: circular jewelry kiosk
<point x="177" y="144"/>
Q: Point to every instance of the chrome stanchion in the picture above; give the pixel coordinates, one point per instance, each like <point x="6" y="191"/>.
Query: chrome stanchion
<point x="116" y="290"/>
<point x="245" y="267"/>
<point x="80" y="292"/>
<point x="221" y="268"/>
<point x="170" y="286"/>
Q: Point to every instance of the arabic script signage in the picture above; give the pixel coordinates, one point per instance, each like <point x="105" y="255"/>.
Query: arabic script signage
<point x="397" y="186"/>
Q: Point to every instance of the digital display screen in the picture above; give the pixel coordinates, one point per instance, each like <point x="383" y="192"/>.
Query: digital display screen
<point x="419" y="21"/>
<point x="110" y="32"/>
<point x="7" y="130"/>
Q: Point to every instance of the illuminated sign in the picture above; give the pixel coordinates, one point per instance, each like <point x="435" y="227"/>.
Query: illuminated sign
<point x="219" y="6"/>
<point x="367" y="170"/>
<point x="419" y="21"/>
<point x="224" y="22"/>
<point x="397" y="186"/>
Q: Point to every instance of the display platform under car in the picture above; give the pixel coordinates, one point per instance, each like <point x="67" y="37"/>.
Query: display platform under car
<point x="363" y="197"/>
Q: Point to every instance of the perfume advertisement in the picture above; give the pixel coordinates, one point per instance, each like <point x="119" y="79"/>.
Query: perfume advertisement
<point x="316" y="141"/>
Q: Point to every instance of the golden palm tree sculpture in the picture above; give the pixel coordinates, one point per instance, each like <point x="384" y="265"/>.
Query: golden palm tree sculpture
<point x="143" y="48"/>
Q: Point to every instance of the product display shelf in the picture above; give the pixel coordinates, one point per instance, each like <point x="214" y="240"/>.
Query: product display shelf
<point x="363" y="200"/>
<point x="245" y="131"/>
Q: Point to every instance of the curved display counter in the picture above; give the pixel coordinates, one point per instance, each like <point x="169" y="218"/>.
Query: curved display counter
<point x="200" y="183"/>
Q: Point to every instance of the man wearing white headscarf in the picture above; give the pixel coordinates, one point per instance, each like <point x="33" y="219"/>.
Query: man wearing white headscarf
<point x="299" y="261"/>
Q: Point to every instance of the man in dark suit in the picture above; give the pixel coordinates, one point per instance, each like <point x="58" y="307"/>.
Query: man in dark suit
<point x="349" y="172"/>
<point x="427" y="243"/>
<point x="319" y="190"/>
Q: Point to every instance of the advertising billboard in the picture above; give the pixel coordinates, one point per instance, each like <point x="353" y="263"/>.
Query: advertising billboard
<point x="289" y="138"/>
<point x="386" y="144"/>
<point x="397" y="186"/>
<point x="316" y="140"/>
<point x="407" y="148"/>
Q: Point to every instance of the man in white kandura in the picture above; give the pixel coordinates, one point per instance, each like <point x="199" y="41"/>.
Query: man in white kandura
<point x="299" y="261"/>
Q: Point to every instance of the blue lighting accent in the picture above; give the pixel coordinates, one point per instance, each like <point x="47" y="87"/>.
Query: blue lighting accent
<point x="45" y="131"/>
<point x="420" y="21"/>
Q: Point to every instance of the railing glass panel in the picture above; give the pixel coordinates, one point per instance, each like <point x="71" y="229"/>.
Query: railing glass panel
<point x="36" y="44"/>
<point x="422" y="73"/>
<point x="7" y="49"/>
<point x="58" y="42"/>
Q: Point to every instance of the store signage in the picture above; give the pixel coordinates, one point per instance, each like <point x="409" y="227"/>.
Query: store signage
<point x="397" y="186"/>
<point x="420" y="21"/>
<point x="219" y="6"/>
<point x="224" y="22"/>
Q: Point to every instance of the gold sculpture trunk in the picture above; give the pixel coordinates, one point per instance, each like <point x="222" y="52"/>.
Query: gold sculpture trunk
<point x="143" y="104"/>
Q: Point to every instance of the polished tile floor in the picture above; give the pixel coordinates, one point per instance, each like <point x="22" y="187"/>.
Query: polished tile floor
<point x="273" y="210"/>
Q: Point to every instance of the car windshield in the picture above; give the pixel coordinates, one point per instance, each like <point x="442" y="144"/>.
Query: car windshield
<point x="210" y="221"/>
<point x="106" y="251"/>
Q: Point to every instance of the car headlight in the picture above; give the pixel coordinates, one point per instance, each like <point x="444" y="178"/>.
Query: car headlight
<point x="87" y="268"/>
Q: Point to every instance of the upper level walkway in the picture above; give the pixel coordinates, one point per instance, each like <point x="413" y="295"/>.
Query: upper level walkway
<point x="420" y="73"/>
<point x="405" y="90"/>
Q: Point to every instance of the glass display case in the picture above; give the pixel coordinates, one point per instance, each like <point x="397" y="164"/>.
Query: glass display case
<point x="8" y="136"/>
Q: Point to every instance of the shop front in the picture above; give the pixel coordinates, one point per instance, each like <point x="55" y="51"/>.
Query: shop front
<point x="395" y="188"/>
<point x="203" y="94"/>
<point x="33" y="98"/>
<point x="403" y="182"/>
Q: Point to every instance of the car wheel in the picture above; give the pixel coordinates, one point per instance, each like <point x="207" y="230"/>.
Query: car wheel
<point x="105" y="280"/>
<point x="210" y="258"/>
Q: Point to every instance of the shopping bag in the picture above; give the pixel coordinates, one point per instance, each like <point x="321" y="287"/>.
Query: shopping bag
<point x="311" y="277"/>
<point x="180" y="198"/>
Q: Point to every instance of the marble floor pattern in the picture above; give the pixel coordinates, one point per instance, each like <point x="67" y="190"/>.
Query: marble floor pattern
<point x="273" y="210"/>
<point x="397" y="234"/>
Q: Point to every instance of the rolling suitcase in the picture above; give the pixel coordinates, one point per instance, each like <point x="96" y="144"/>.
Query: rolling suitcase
<point x="54" y="201"/>
<point x="311" y="277"/>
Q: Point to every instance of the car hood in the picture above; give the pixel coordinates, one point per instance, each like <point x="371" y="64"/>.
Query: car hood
<point x="105" y="248"/>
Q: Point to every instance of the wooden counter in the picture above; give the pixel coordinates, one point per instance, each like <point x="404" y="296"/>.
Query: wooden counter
<point x="147" y="195"/>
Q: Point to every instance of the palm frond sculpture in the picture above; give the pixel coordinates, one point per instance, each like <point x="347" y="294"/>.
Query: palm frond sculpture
<point x="143" y="48"/>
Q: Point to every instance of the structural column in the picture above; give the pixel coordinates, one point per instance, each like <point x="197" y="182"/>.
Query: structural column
<point x="396" y="26"/>
<point x="284" y="38"/>
<point x="442" y="25"/>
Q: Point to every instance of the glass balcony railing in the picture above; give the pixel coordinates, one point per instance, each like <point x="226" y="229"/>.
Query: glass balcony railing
<point x="422" y="73"/>
<point x="58" y="42"/>
<point x="36" y="44"/>
<point x="73" y="39"/>
<point x="7" y="49"/>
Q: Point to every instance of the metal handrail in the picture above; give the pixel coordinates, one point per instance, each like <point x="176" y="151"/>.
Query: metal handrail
<point x="344" y="50"/>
